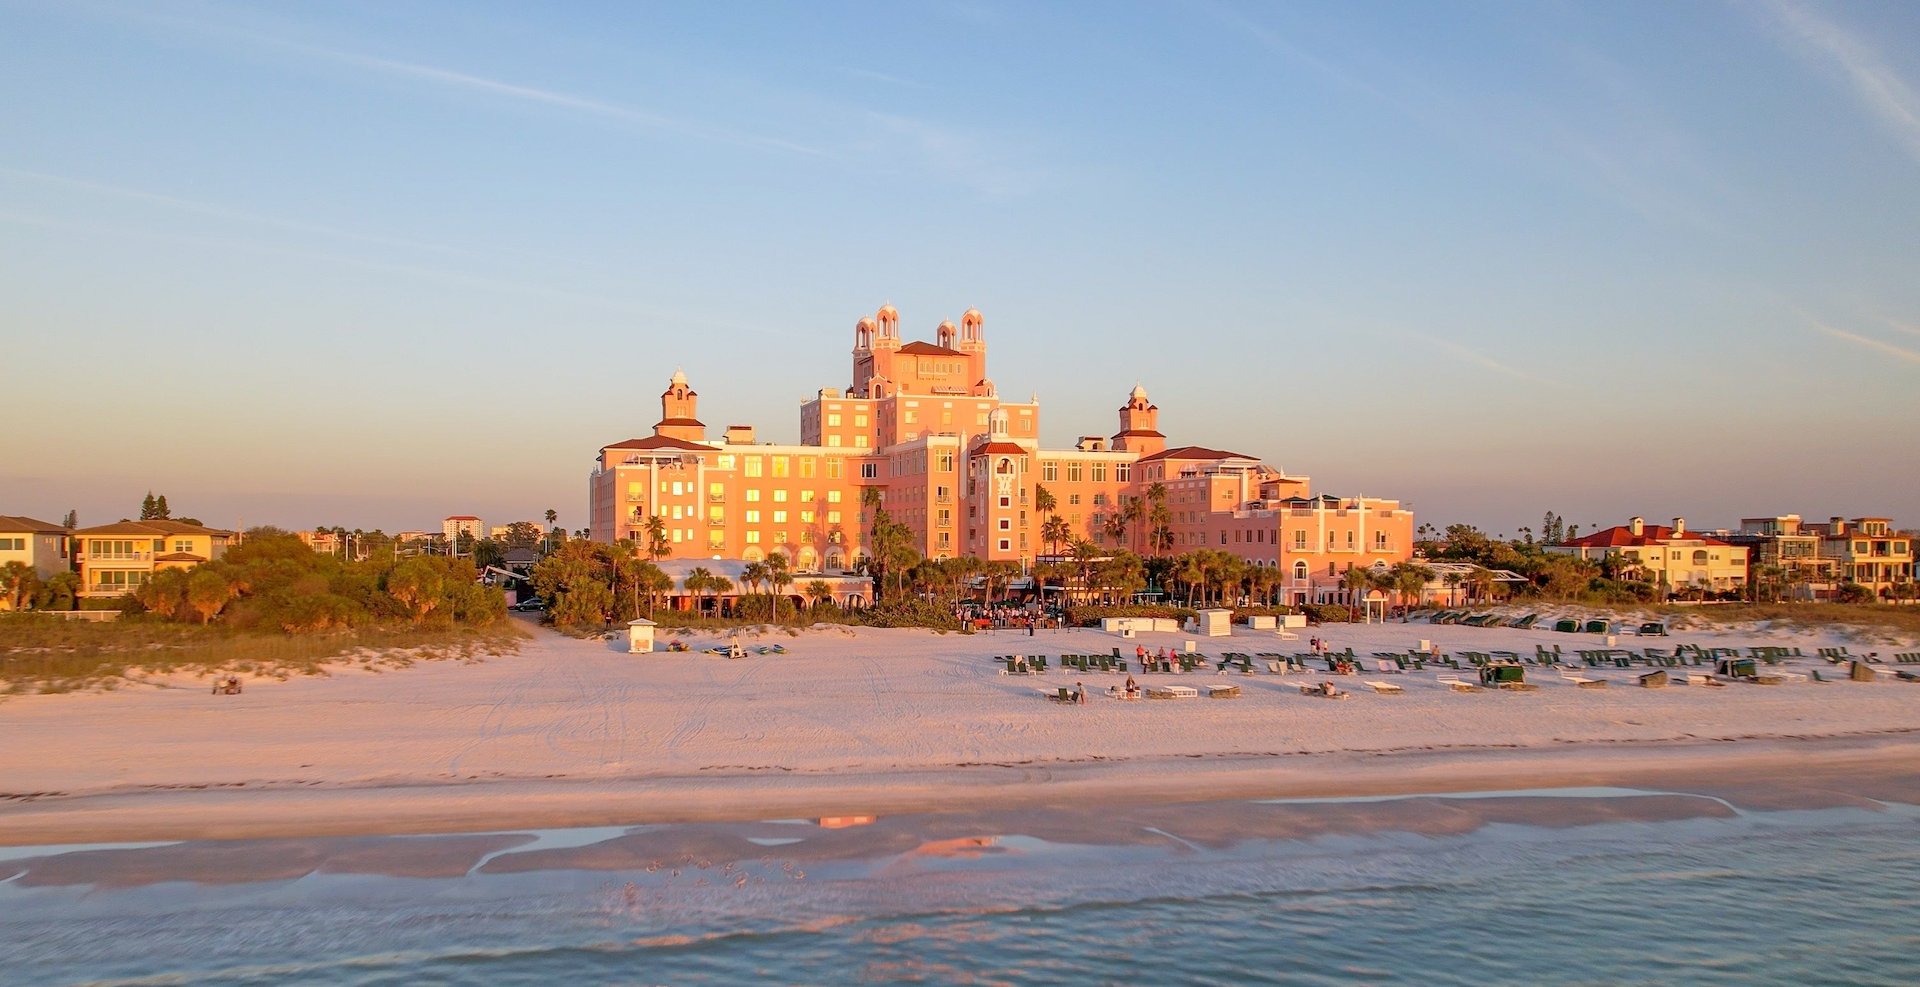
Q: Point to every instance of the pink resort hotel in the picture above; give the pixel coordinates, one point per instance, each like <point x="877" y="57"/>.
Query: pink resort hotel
<point x="924" y="425"/>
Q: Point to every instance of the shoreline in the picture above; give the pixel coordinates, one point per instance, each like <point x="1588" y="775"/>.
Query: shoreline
<point x="1759" y="774"/>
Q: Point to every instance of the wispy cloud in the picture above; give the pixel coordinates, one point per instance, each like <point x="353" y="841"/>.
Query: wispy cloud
<point x="1890" y="98"/>
<point x="1468" y="354"/>
<point x="593" y="107"/>
<point x="1904" y="327"/>
<point x="1877" y="345"/>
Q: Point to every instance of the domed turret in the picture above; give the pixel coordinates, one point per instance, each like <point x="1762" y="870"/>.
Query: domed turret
<point x="944" y="335"/>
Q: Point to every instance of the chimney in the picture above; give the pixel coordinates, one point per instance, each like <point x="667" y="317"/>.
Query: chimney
<point x="1637" y="525"/>
<point x="1837" y="525"/>
<point x="1679" y="526"/>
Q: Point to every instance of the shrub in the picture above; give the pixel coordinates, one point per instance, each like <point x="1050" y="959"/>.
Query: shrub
<point x="1090" y="615"/>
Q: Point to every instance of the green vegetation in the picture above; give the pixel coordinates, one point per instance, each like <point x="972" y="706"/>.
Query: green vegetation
<point x="42" y="653"/>
<point x="268" y="606"/>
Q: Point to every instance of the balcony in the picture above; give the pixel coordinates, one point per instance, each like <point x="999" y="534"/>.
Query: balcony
<point x="97" y="558"/>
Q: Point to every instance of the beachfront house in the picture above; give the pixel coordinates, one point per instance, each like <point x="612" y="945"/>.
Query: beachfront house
<point x="1671" y="557"/>
<point x="117" y="559"/>
<point x="1869" y="551"/>
<point x="40" y="545"/>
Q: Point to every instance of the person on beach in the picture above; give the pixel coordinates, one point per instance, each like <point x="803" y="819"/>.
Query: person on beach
<point x="1133" y="688"/>
<point x="1080" y="693"/>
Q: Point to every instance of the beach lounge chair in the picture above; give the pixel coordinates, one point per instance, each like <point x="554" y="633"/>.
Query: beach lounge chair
<point x="1653" y="628"/>
<point x="1598" y="627"/>
<point x="1524" y="623"/>
<point x="1583" y="682"/>
<point x="1567" y="626"/>
<point x="1383" y="688"/>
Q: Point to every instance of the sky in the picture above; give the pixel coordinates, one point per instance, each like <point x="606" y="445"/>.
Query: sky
<point x="371" y="264"/>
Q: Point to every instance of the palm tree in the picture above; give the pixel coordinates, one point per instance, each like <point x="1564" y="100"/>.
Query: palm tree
<point x="1160" y="538"/>
<point x="1410" y="581"/>
<point x="697" y="581"/>
<point x="818" y="590"/>
<point x="753" y="575"/>
<point x="656" y="528"/>
<point x="721" y="586"/>
<point x="1136" y="512"/>
<point x="655" y="582"/>
<point x="1084" y="553"/>
<point x="780" y="576"/>
<point x="1054" y="531"/>
<point x="1043" y="500"/>
<point x="1453" y="581"/>
<point x="1354" y="581"/>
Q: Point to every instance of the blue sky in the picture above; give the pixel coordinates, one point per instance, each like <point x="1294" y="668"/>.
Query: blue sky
<point x="371" y="264"/>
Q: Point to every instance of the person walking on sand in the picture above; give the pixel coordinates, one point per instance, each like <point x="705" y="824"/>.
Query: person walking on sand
<point x="1080" y="693"/>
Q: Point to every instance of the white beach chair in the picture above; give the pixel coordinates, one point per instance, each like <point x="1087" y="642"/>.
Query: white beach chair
<point x="1582" y="681"/>
<point x="1456" y="683"/>
<point x="1383" y="688"/>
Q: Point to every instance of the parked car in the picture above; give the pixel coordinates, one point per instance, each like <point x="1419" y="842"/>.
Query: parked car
<point x="535" y="605"/>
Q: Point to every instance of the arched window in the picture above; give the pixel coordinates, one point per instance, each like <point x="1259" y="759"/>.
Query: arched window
<point x="1006" y="466"/>
<point x="1700" y="557"/>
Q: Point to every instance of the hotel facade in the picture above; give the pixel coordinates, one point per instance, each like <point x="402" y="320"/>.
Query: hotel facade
<point x="924" y="429"/>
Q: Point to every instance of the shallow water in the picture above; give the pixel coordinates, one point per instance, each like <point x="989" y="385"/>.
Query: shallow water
<point x="1823" y="897"/>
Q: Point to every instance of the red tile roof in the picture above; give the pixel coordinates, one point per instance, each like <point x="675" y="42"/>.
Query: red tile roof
<point x="919" y="348"/>
<point x="1194" y="452"/>
<point x="659" y="442"/>
<point x="1622" y="536"/>
<point x="1000" y="448"/>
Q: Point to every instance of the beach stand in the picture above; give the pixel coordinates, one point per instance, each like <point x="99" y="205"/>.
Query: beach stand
<point x="1505" y="675"/>
<point x="640" y="635"/>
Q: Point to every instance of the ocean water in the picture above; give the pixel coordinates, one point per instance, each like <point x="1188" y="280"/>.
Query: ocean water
<point x="1814" y="897"/>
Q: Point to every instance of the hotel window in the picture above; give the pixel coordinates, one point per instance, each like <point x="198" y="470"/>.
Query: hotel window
<point x="1006" y="502"/>
<point x="1329" y="568"/>
<point x="1006" y="524"/>
<point x="946" y="539"/>
<point x="1073" y="472"/>
<point x="723" y="461"/>
<point x="910" y="417"/>
<point x="1050" y="471"/>
<point x="753" y="517"/>
<point x="1097" y="472"/>
<point x="833" y="496"/>
<point x="860" y="442"/>
<point x="716" y="540"/>
<point x="716" y="491"/>
<point x="1099" y="500"/>
<point x="1380" y="540"/>
<point x="753" y="537"/>
<point x="833" y="442"/>
<point x="1006" y="545"/>
<point x="716" y="515"/>
<point x="859" y="421"/>
<point x="807" y="464"/>
<point x="980" y="419"/>
<point x="1073" y="498"/>
<point x="1349" y="539"/>
<point x="1073" y="519"/>
<point x="806" y="517"/>
<point x="869" y="471"/>
<point x="946" y="418"/>
<point x="779" y="496"/>
<point x="833" y="469"/>
<point x="753" y="496"/>
<point x="833" y="419"/>
<point x="779" y="517"/>
<point x="833" y="517"/>
<point x="1223" y="538"/>
<point x="806" y="496"/>
<point x="753" y="465"/>
<point x="946" y="462"/>
<point x="676" y="512"/>
<point x="946" y="517"/>
<point x="779" y="466"/>
<point x="1123" y="472"/>
<point x="779" y="538"/>
<point x="676" y="536"/>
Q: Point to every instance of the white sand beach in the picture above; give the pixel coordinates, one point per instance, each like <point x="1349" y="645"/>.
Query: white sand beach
<point x="856" y="721"/>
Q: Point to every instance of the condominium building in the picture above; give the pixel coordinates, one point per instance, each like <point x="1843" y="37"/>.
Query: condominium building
<point x="463" y="524"/>
<point x="1783" y="558"/>
<point x="116" y="559"/>
<point x="924" y="433"/>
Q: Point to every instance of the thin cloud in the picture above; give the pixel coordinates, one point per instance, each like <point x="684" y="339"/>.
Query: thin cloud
<point x="1878" y="345"/>
<point x="1890" y="98"/>
<point x="1903" y="327"/>
<point x="1473" y="356"/>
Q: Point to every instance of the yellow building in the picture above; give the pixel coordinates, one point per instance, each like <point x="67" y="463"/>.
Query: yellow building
<point x="117" y="559"/>
<point x="1869" y="551"/>
<point x="1673" y="558"/>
